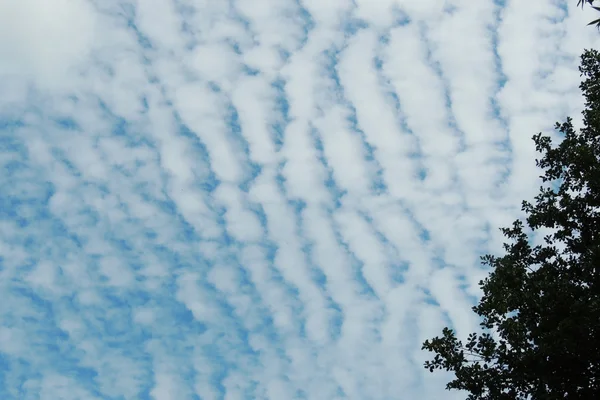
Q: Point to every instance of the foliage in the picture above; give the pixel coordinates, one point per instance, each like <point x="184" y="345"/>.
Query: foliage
<point x="596" y="21"/>
<point x="540" y="308"/>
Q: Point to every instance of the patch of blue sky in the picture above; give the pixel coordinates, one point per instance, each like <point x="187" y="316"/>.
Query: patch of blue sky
<point x="464" y="284"/>
<point x="307" y="22"/>
<point x="14" y="377"/>
<point x="250" y="71"/>
<point x="283" y="54"/>
<point x="23" y="195"/>
<point x="258" y="211"/>
<point x="8" y="125"/>
<point x="262" y="322"/>
<point x="416" y="156"/>
<point x="353" y="25"/>
<point x="298" y="206"/>
<point x="282" y="109"/>
<point x="450" y="8"/>
<point x="398" y="272"/>
<point x="429" y="298"/>
<point x="252" y="169"/>
<point x="222" y="361"/>
<point x="356" y="266"/>
<point x="396" y="268"/>
<point x="439" y="72"/>
<point x="67" y="123"/>
<point x="280" y="179"/>
<point x="401" y="18"/>
<point x="205" y="177"/>
<point x="335" y="317"/>
<point x="270" y="251"/>
<point x="10" y="145"/>
<point x="377" y="182"/>
<point x="558" y="18"/>
<point x="142" y="39"/>
<point x="47" y="339"/>
<point x="332" y="186"/>
<point x="378" y="185"/>
<point x="238" y="18"/>
<point x="130" y="134"/>
<point x="505" y="145"/>
<point x="5" y="367"/>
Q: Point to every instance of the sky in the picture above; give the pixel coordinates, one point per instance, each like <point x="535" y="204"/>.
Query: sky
<point x="262" y="199"/>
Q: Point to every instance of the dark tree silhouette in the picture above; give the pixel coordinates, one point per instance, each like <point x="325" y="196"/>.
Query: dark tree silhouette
<point x="540" y="308"/>
<point x="590" y="2"/>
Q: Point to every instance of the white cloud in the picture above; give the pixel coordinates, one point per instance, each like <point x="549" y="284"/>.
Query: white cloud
<point x="45" y="41"/>
<point x="261" y="199"/>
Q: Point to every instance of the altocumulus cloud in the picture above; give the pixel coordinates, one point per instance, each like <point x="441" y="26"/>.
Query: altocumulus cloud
<point x="261" y="199"/>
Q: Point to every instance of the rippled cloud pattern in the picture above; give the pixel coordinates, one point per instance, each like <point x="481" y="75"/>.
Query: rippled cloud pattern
<point x="261" y="199"/>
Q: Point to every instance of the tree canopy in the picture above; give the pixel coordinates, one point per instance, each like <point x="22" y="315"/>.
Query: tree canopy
<point x="540" y="310"/>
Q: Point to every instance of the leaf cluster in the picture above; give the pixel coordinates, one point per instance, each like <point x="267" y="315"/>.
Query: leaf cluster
<point x="582" y="3"/>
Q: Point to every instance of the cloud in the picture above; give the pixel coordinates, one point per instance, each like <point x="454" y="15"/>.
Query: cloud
<point x="47" y="42"/>
<point x="261" y="199"/>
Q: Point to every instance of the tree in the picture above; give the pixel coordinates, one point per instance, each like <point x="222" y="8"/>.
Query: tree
<point x="582" y="3"/>
<point x="540" y="310"/>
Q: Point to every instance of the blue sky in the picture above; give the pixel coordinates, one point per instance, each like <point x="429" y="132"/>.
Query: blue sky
<point x="261" y="199"/>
